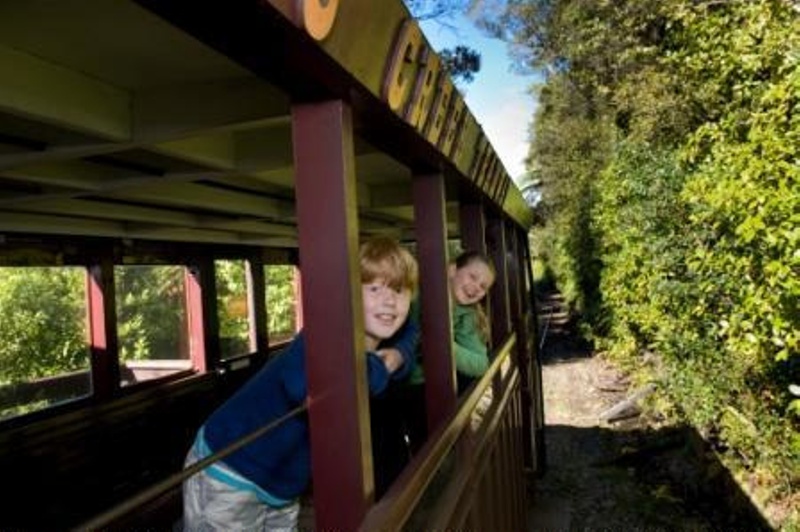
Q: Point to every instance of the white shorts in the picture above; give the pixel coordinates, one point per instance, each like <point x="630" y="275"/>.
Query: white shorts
<point x="212" y="505"/>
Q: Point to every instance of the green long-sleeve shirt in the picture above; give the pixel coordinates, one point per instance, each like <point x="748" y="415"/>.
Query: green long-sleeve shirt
<point x="471" y="355"/>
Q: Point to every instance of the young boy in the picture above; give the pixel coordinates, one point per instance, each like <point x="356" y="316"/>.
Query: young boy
<point x="257" y="487"/>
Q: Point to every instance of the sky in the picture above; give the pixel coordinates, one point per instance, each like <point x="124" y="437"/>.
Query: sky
<point x="499" y="99"/>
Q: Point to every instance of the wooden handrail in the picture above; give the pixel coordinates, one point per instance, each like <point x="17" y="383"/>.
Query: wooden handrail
<point x="454" y="494"/>
<point x="122" y="509"/>
<point x="397" y="505"/>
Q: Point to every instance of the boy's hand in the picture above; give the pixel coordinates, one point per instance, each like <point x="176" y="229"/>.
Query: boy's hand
<point x="391" y="358"/>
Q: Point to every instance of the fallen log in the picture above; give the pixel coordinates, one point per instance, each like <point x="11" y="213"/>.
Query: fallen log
<point x="628" y="406"/>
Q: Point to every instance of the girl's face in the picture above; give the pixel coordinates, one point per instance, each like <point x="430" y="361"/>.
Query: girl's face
<point x="470" y="283"/>
<point x="385" y="310"/>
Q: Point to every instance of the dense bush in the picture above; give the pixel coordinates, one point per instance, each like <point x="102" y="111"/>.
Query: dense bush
<point x="150" y="312"/>
<point x="668" y="143"/>
<point x="41" y="322"/>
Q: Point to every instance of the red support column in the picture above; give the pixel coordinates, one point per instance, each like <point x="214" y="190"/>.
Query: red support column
<point x="435" y="327"/>
<point x="201" y="308"/>
<point x="325" y="186"/>
<point x="102" y="324"/>
<point x="472" y="223"/>
<point x="498" y="295"/>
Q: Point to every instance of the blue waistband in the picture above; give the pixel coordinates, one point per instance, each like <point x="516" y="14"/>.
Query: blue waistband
<point x="219" y="471"/>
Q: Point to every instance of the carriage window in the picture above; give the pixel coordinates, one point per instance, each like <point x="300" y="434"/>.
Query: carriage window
<point x="232" y="307"/>
<point x="44" y="354"/>
<point x="151" y="322"/>
<point x="282" y="298"/>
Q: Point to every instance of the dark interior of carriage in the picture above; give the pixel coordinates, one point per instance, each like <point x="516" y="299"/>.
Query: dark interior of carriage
<point x="180" y="135"/>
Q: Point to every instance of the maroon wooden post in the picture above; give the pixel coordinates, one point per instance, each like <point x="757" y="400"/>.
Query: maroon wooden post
<point x="325" y="186"/>
<point x="498" y="295"/>
<point x="520" y="327"/>
<point x="256" y="305"/>
<point x="539" y="450"/>
<point x="472" y="223"/>
<point x="436" y="319"/>
<point x="102" y="324"/>
<point x="201" y="308"/>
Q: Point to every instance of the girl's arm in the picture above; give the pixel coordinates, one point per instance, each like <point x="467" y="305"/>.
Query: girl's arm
<point x="472" y="358"/>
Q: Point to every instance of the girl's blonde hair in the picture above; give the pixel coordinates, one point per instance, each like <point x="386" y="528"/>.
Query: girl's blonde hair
<point x="481" y="319"/>
<point x="384" y="258"/>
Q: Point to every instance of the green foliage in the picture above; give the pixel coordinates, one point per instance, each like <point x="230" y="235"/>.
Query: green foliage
<point x="42" y="329"/>
<point x="234" y="327"/>
<point x="461" y="62"/>
<point x="571" y="145"/>
<point x="668" y="144"/>
<point x="280" y="300"/>
<point x="745" y="191"/>
<point x="150" y="312"/>
<point x="641" y="223"/>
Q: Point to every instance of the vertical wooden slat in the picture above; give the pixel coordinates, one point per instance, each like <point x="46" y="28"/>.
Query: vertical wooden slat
<point x="513" y="465"/>
<point x="256" y="305"/>
<point x="503" y="486"/>
<point x="325" y="187"/>
<point x="522" y="480"/>
<point x="498" y="294"/>
<point x="102" y="328"/>
<point x="517" y="298"/>
<point x="435" y="326"/>
<point x="508" y="467"/>
<point x="472" y="223"/>
<point x="517" y="472"/>
<point x="492" y="476"/>
<point x="537" y="413"/>
<point x="297" y="287"/>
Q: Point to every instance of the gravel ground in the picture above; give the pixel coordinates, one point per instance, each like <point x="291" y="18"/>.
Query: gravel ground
<point x="629" y="474"/>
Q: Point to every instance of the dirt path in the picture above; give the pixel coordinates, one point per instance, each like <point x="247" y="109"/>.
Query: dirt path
<point x="626" y="475"/>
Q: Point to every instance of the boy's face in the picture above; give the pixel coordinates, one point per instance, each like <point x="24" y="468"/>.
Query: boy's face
<point x="385" y="310"/>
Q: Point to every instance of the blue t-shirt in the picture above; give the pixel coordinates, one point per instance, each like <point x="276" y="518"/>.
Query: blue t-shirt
<point x="279" y="462"/>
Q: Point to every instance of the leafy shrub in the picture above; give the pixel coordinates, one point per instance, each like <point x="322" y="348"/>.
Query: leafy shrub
<point x="42" y="329"/>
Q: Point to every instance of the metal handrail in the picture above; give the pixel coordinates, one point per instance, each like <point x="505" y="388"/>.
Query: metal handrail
<point x="397" y="505"/>
<point x="108" y="517"/>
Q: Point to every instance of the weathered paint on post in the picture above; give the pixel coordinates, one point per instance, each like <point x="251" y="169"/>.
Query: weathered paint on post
<point x="325" y="184"/>
<point x="436" y="322"/>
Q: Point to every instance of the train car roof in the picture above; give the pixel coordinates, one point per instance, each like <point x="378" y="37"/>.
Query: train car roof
<point x="171" y="119"/>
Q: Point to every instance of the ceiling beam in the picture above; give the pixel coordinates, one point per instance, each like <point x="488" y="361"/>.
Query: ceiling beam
<point x="186" y="109"/>
<point x="193" y="195"/>
<point x="36" y="89"/>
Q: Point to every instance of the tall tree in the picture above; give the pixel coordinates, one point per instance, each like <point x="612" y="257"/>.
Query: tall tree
<point x="461" y="61"/>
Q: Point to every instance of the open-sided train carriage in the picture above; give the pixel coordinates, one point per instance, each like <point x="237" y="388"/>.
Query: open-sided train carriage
<point x="183" y="139"/>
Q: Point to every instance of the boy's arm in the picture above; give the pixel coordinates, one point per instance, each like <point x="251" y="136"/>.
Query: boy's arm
<point x="401" y="350"/>
<point x="377" y="373"/>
